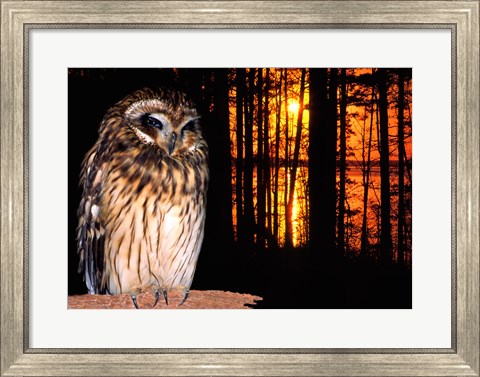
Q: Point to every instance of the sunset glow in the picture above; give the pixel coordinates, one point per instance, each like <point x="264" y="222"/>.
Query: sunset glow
<point x="362" y="121"/>
<point x="293" y="107"/>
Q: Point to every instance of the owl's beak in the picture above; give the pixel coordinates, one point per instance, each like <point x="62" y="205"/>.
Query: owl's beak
<point x="171" y="147"/>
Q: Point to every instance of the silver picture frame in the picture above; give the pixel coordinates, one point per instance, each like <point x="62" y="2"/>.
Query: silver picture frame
<point x="19" y="17"/>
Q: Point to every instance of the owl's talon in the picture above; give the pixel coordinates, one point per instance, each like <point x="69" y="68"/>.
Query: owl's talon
<point x="134" y="299"/>
<point x="165" y="295"/>
<point x="157" y="296"/>
<point x="185" y="296"/>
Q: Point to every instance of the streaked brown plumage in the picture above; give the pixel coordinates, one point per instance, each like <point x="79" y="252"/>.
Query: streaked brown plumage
<point x="142" y="212"/>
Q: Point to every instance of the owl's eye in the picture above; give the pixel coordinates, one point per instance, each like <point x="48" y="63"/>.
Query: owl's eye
<point x="190" y="126"/>
<point x="152" y="122"/>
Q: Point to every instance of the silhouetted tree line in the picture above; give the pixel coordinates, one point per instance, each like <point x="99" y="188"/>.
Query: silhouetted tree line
<point x="260" y="96"/>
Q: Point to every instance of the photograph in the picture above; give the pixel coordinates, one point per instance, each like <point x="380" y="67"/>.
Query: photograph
<point x="260" y="188"/>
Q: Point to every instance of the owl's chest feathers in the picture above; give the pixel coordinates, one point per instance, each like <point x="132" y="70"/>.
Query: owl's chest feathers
<point x="144" y="185"/>
<point x="147" y="208"/>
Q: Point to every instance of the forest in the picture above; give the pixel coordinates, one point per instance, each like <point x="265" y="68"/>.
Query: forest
<point x="310" y="195"/>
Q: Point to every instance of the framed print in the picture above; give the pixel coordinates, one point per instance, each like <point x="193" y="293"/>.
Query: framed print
<point x="314" y="162"/>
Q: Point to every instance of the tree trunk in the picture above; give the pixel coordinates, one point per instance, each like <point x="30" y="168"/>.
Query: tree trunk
<point x="277" y="158"/>
<point x="366" y="176"/>
<point x="266" y="156"/>
<point x="343" y="162"/>
<point x="322" y="162"/>
<point x="289" y="241"/>
<point x="401" y="169"/>
<point x="221" y="174"/>
<point x="240" y="84"/>
<point x="260" y="182"/>
<point x="249" y="215"/>
<point x="288" y="230"/>
<point x="385" y="227"/>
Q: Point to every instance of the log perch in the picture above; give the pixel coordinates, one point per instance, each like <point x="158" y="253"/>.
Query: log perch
<point x="196" y="300"/>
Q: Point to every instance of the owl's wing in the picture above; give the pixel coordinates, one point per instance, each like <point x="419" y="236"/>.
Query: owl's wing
<point x="90" y="231"/>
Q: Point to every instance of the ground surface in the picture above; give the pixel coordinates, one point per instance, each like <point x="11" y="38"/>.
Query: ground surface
<point x="196" y="300"/>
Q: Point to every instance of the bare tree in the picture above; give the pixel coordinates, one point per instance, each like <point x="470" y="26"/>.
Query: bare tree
<point x="343" y="162"/>
<point x="322" y="159"/>
<point x="401" y="168"/>
<point x="240" y="84"/>
<point x="278" y="99"/>
<point x="219" y="145"/>
<point x="266" y="159"/>
<point x="261" y="195"/>
<point x="385" y="227"/>
<point x="293" y="170"/>
<point x="286" y="161"/>
<point x="366" y="173"/>
<point x="249" y="216"/>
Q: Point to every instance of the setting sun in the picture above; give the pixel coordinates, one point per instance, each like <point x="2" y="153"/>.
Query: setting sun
<point x="293" y="107"/>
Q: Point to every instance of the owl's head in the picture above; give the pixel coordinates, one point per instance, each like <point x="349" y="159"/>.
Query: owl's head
<point x="166" y="119"/>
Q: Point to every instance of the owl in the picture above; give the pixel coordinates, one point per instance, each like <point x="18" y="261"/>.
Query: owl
<point x="142" y="211"/>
